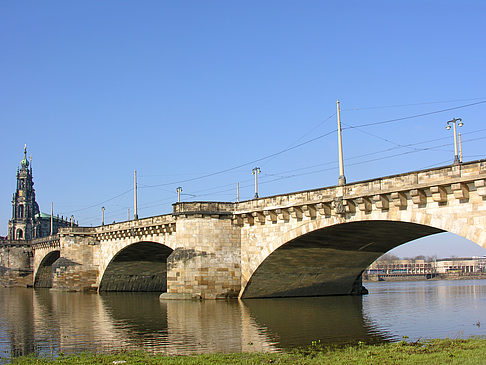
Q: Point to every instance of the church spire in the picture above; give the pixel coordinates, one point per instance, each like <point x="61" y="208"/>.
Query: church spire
<point x="24" y="162"/>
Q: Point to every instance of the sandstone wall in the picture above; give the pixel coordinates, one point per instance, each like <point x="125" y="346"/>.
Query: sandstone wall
<point x="15" y="265"/>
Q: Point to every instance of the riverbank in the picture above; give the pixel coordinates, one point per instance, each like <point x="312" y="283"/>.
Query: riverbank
<point x="428" y="277"/>
<point x="441" y="351"/>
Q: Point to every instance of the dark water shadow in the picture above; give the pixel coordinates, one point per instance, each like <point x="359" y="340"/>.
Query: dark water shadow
<point x="298" y="321"/>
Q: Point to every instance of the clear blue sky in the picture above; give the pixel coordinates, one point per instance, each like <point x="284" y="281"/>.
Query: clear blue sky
<point x="178" y="90"/>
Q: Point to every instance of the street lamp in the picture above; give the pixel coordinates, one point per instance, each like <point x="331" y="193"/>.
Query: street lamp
<point x="102" y="216"/>
<point x="460" y="124"/>
<point x="179" y="189"/>
<point x="255" y="172"/>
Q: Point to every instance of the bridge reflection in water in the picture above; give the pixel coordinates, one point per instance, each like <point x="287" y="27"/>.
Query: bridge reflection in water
<point x="49" y="322"/>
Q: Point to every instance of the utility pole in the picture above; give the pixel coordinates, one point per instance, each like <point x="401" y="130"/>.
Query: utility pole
<point x="342" y="179"/>
<point x="102" y="216"/>
<point x="460" y="148"/>
<point x="128" y="215"/>
<point x="237" y="192"/>
<point x="255" y="172"/>
<point x="179" y="189"/>
<point x="52" y="218"/>
<point x="135" y="213"/>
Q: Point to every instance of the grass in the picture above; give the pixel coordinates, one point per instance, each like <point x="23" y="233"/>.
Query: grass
<point x="443" y="351"/>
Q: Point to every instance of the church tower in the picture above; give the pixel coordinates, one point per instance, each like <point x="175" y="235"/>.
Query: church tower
<point x="24" y="225"/>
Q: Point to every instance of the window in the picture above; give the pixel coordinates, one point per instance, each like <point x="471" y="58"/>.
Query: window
<point x="20" y="234"/>
<point x="21" y="211"/>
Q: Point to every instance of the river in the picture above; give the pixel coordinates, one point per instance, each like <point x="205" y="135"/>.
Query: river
<point x="47" y="323"/>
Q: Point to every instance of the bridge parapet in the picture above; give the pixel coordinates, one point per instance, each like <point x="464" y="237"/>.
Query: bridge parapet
<point x="15" y="243"/>
<point x="144" y="222"/>
<point x="141" y="227"/>
<point x="215" y="209"/>
<point x="419" y="188"/>
<point x="49" y="242"/>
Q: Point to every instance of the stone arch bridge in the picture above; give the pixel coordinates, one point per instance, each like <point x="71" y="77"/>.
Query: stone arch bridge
<point x="315" y="242"/>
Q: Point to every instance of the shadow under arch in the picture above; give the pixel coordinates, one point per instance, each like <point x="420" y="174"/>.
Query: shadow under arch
<point x="44" y="275"/>
<point x="330" y="260"/>
<point x="140" y="267"/>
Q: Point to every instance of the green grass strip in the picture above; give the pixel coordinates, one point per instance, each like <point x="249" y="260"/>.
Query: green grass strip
<point x="443" y="351"/>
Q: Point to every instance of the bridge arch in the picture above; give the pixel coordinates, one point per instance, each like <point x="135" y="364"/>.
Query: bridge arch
<point x="294" y="263"/>
<point x="44" y="274"/>
<point x="140" y="266"/>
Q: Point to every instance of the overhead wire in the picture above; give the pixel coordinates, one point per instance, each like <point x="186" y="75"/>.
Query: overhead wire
<point x="292" y="147"/>
<point x="411" y="104"/>
<point x="247" y="163"/>
<point x="413" y="116"/>
<point x="211" y="191"/>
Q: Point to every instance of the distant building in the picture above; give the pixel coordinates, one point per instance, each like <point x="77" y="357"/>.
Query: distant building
<point x="404" y="267"/>
<point x="27" y="221"/>
<point x="454" y="265"/>
<point x="461" y="265"/>
<point x="27" y="224"/>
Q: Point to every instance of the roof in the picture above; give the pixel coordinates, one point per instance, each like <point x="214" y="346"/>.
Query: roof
<point x="48" y="216"/>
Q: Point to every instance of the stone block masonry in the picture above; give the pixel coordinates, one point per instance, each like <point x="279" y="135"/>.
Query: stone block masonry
<point x="207" y="262"/>
<point x="15" y="264"/>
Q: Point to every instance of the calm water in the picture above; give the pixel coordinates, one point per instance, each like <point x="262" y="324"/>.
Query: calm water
<point x="48" y="322"/>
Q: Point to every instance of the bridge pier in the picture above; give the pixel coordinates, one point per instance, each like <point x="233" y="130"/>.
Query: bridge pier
<point x="206" y="263"/>
<point x="77" y="267"/>
<point x="67" y="261"/>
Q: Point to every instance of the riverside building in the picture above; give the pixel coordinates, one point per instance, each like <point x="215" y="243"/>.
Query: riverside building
<point x="407" y="267"/>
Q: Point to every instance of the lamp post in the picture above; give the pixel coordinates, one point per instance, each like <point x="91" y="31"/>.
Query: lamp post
<point x="255" y="172"/>
<point x="460" y="124"/>
<point x="102" y="216"/>
<point x="179" y="189"/>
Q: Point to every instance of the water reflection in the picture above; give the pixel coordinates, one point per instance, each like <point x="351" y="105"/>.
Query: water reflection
<point x="47" y="322"/>
<point x="16" y="322"/>
<point x="428" y="309"/>
<point x="298" y="321"/>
